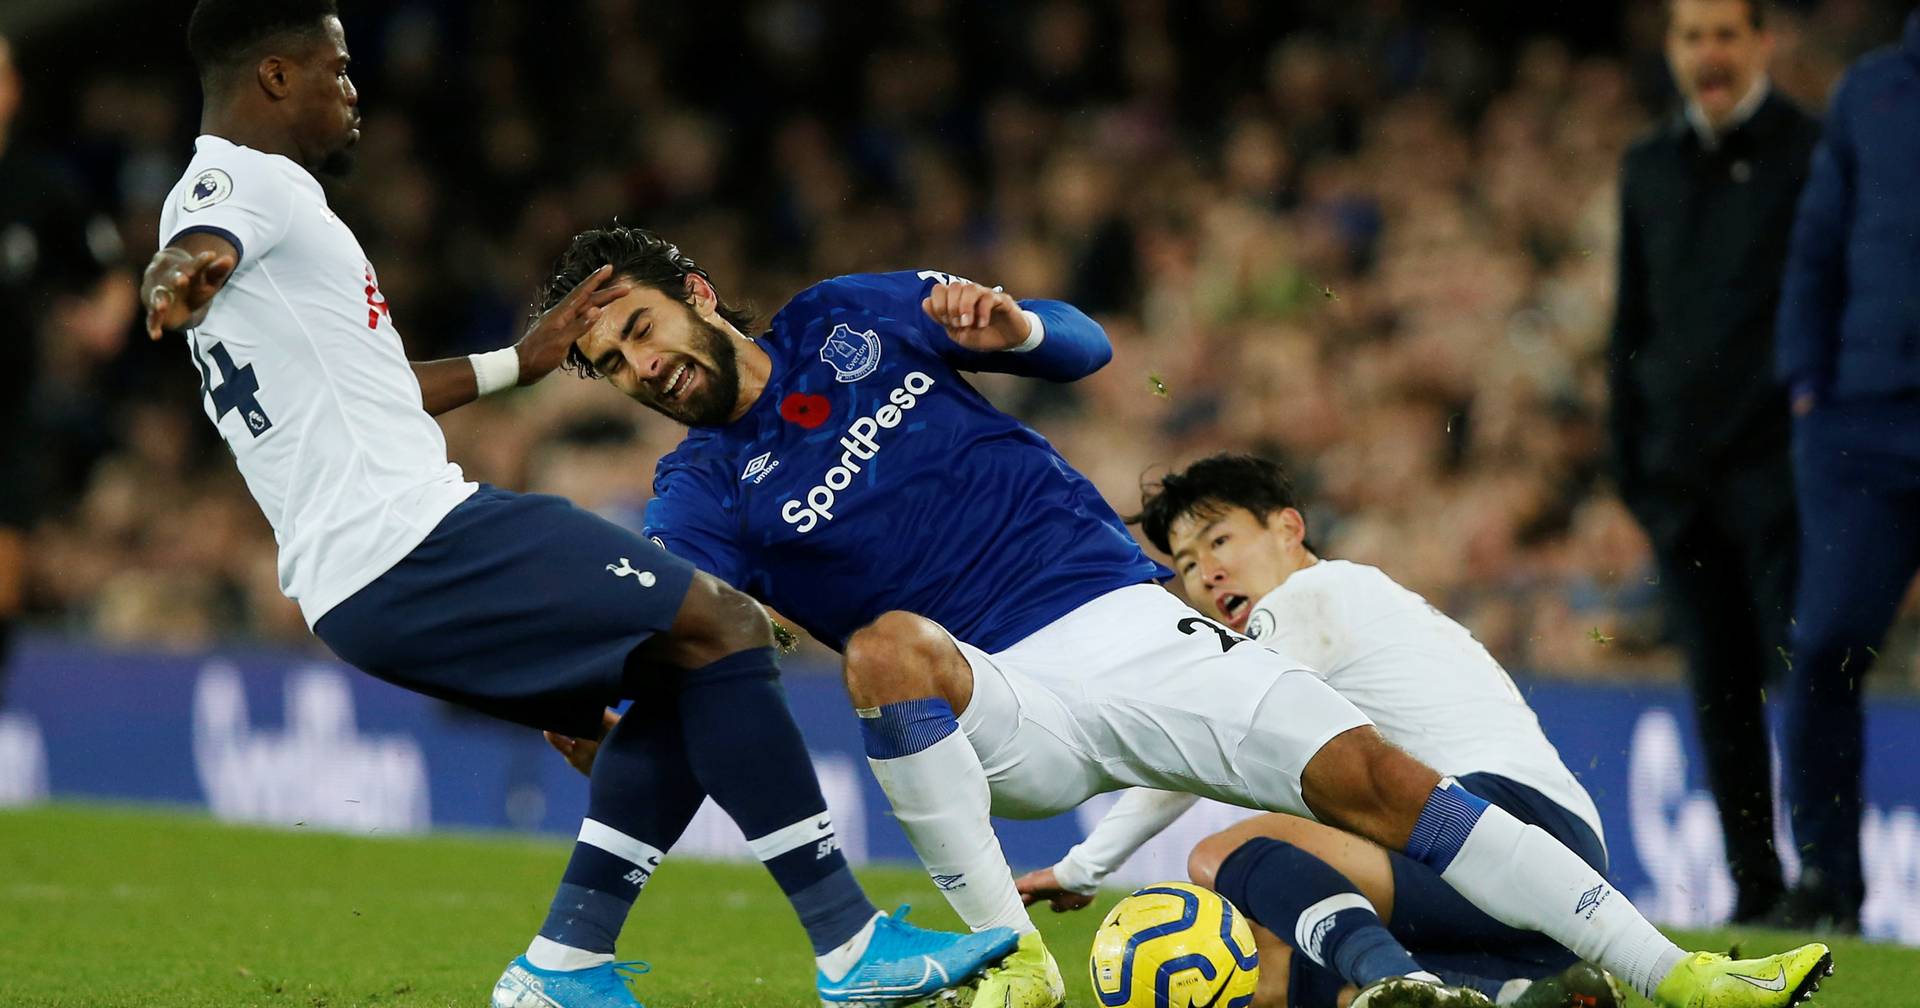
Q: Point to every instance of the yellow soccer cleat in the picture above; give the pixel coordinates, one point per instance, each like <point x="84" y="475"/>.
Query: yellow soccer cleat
<point x="1707" y="980"/>
<point x="1029" y="978"/>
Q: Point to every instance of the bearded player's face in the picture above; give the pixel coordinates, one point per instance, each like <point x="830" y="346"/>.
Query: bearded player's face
<point x="660" y="352"/>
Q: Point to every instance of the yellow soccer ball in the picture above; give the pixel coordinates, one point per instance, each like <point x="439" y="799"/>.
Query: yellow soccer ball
<point x="1174" y="945"/>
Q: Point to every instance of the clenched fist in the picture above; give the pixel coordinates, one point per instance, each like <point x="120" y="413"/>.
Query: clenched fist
<point x="986" y="319"/>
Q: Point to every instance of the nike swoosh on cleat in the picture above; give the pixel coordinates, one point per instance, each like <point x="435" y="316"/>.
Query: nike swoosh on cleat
<point x="1777" y="983"/>
<point x="887" y="992"/>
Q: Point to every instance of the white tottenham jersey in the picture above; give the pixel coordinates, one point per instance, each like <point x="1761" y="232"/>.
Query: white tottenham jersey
<point x="1428" y="685"/>
<point x="303" y="374"/>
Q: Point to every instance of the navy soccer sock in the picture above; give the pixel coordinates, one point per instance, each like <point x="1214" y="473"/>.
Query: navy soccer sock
<point x="749" y="755"/>
<point x="1314" y="908"/>
<point x="641" y="796"/>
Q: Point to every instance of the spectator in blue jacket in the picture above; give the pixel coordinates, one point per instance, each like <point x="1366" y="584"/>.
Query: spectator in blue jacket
<point x="1848" y="346"/>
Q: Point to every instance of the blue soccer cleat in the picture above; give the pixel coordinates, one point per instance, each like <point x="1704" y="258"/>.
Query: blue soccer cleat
<point x="525" y="985"/>
<point x="903" y="962"/>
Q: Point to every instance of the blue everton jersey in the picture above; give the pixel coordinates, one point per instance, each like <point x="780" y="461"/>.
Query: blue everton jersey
<point x="870" y="476"/>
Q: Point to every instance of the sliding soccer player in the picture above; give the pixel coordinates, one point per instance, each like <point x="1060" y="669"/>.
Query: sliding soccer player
<point x="1004" y="642"/>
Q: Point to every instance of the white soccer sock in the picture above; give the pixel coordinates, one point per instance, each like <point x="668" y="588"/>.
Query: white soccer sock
<point x="836" y="963"/>
<point x="548" y="954"/>
<point x="1525" y="878"/>
<point x="939" y="794"/>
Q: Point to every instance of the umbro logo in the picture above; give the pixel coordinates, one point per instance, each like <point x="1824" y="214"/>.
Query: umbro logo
<point x="948" y="883"/>
<point x="1590" y="901"/>
<point x="759" y="468"/>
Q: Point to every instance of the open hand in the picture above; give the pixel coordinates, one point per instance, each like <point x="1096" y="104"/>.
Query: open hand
<point x="544" y="347"/>
<point x="1040" y="885"/>
<point x="978" y="318"/>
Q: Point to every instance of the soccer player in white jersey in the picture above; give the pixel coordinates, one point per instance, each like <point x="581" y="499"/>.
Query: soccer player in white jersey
<point x="519" y="606"/>
<point x="1239" y="544"/>
<point x="1004" y="645"/>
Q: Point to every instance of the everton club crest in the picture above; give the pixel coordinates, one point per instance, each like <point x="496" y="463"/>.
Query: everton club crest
<point x="852" y="355"/>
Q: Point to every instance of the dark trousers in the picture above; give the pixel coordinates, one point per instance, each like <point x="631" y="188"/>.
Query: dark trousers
<point x="1857" y="476"/>
<point x="1725" y="554"/>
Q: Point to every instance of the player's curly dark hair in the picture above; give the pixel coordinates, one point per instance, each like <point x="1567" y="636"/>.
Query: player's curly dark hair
<point x="1208" y="488"/>
<point x="223" y="35"/>
<point x="637" y="255"/>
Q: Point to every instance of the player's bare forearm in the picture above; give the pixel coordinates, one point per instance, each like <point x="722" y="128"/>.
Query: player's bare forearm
<point x="446" y="384"/>
<point x="181" y="280"/>
<point x="454" y="382"/>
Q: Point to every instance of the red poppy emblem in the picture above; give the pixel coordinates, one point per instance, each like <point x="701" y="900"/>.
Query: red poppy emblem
<point x="805" y="409"/>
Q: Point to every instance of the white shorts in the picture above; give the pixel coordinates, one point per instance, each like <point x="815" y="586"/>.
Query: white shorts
<point x="1137" y="689"/>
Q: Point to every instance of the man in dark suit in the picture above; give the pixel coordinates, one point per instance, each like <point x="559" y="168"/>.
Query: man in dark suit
<point x="1700" y="430"/>
<point x="1849" y="348"/>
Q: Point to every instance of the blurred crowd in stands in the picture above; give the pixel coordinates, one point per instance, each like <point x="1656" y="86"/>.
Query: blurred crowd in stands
<point x="1374" y="243"/>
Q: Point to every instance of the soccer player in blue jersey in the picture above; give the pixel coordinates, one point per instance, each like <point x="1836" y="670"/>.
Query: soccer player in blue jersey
<point x="1005" y="643"/>
<point x="520" y="606"/>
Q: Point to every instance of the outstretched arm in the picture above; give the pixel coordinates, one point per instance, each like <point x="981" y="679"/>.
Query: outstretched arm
<point x="182" y="279"/>
<point x="1139" y="816"/>
<point x="456" y="381"/>
<point x="1036" y="339"/>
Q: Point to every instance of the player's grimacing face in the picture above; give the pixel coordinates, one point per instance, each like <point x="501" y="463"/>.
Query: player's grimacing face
<point x="660" y="352"/>
<point x="1227" y="559"/>
<point x="1715" y="53"/>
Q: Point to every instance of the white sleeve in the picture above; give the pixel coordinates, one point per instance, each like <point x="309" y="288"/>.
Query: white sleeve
<point x="1139" y="815"/>
<point x="248" y="204"/>
<point x="1304" y="627"/>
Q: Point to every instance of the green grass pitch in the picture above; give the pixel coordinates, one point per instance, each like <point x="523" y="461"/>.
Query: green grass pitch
<point x="120" y="908"/>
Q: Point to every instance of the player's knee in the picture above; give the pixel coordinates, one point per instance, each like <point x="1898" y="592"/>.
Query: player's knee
<point x="715" y="620"/>
<point x="899" y="656"/>
<point x="1204" y="861"/>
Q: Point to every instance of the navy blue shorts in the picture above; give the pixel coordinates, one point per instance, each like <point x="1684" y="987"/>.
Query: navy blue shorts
<point x="1445" y="932"/>
<point x="522" y="606"/>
